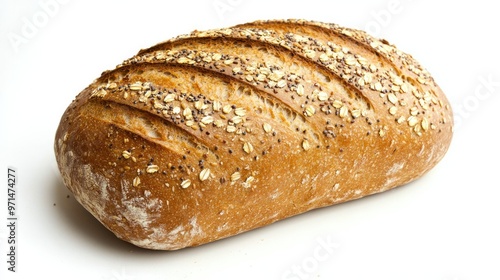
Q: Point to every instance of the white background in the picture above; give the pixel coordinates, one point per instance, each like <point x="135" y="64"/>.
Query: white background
<point x="444" y="226"/>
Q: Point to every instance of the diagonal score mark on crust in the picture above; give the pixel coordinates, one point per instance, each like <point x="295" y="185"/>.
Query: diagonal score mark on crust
<point x="325" y="33"/>
<point x="377" y="50"/>
<point x="319" y="31"/>
<point x="272" y="49"/>
<point x="202" y="102"/>
<point x="149" y="127"/>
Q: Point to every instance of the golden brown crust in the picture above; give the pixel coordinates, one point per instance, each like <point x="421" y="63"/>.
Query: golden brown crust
<point x="218" y="132"/>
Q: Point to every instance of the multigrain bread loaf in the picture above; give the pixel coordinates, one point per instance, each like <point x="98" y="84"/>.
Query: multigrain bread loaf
<point x="219" y="132"/>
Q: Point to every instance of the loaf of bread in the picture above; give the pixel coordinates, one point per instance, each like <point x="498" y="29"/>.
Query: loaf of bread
<point x="218" y="132"/>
